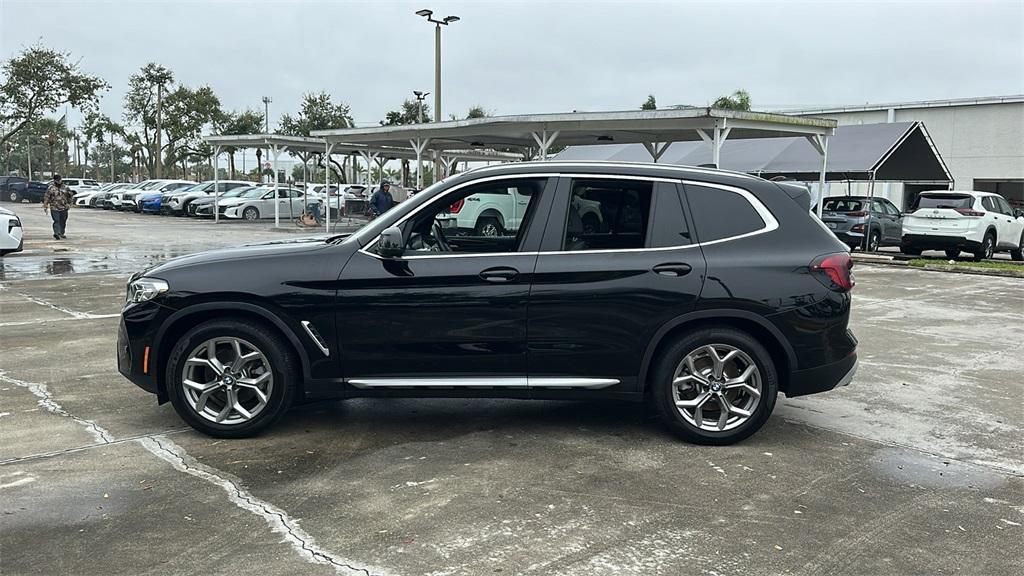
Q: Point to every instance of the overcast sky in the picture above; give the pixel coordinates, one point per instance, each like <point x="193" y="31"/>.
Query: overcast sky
<point x="518" y="57"/>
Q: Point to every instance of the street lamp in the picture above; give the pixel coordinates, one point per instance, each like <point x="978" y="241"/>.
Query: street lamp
<point x="429" y="15"/>
<point x="420" y="96"/>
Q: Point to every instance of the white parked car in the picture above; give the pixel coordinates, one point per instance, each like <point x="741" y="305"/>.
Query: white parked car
<point x="84" y="198"/>
<point x="82" y="184"/>
<point x="500" y="211"/>
<point x="981" y="223"/>
<point x="259" y="203"/>
<point x="128" y="199"/>
<point x="11" y="232"/>
<point x="177" y="202"/>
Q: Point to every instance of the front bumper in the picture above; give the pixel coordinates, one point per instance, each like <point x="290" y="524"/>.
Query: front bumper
<point x="137" y="356"/>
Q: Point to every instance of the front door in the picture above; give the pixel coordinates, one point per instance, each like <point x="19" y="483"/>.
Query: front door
<point x="451" y="311"/>
<point x="617" y="263"/>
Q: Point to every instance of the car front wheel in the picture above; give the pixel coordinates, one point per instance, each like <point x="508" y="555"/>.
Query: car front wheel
<point x="231" y="378"/>
<point x="251" y="213"/>
<point x="715" y="386"/>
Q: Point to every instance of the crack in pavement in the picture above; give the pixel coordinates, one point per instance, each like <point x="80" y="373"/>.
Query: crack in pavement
<point x="163" y="448"/>
<point x="47" y="402"/>
<point x="277" y="519"/>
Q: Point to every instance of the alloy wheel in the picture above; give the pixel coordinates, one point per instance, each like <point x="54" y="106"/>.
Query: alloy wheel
<point x="489" y="229"/>
<point x="717" y="387"/>
<point x="989" y="247"/>
<point x="227" y="380"/>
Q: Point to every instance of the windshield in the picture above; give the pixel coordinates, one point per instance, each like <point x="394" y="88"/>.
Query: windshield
<point x="254" y="193"/>
<point x="843" y="205"/>
<point x="237" y="192"/>
<point x="944" y="201"/>
<point x="150" y="185"/>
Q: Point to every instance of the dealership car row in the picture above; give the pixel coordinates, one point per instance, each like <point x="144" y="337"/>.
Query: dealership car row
<point x="978" y="223"/>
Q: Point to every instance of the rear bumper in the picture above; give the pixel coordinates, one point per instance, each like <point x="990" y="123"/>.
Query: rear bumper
<point x="929" y="242"/>
<point x="822" y="378"/>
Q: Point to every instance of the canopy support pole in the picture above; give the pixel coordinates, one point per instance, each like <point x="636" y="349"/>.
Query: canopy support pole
<point x="449" y="164"/>
<point x="328" y="147"/>
<point x="716" y="139"/>
<point x="419" y="145"/>
<point x="216" y="185"/>
<point x="544" y="141"/>
<point x="274" y="151"/>
<point x="656" y="149"/>
<point x="871" y="202"/>
<point x="820" y="143"/>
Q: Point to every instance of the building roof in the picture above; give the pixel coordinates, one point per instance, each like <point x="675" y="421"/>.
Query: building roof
<point x="899" y="151"/>
<point x="1012" y="99"/>
<point x="584" y="128"/>
<point x="311" y="145"/>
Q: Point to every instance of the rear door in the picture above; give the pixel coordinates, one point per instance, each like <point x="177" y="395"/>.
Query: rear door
<point x="601" y="291"/>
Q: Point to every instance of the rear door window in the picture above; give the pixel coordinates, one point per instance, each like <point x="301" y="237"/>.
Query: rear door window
<point x="608" y="214"/>
<point x="719" y="214"/>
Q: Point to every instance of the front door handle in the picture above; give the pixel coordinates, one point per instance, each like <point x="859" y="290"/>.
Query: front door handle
<point x="500" y="274"/>
<point x="672" y="269"/>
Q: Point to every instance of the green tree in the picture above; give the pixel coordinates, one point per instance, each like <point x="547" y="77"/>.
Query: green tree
<point x="245" y="122"/>
<point x="477" y="112"/>
<point x="39" y="81"/>
<point x="318" y="113"/>
<point x="188" y="113"/>
<point x="408" y="113"/>
<point x="738" y="100"/>
<point x="97" y="127"/>
<point x="650" y="103"/>
<point x="139" y="111"/>
<point x="33" y="140"/>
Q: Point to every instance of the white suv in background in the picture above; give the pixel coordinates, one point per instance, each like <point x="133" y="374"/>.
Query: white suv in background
<point x="981" y="223"/>
<point x="500" y="212"/>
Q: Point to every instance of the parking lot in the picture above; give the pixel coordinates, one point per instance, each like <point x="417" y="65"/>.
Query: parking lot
<point x="917" y="467"/>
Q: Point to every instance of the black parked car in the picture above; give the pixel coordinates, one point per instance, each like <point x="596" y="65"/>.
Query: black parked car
<point x="16" y="189"/>
<point x="707" y="292"/>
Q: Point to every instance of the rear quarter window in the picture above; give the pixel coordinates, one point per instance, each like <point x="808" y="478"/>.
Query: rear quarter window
<point x="719" y="214"/>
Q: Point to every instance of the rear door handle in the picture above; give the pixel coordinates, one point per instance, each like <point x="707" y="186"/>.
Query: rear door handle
<point x="500" y="274"/>
<point x="672" y="269"/>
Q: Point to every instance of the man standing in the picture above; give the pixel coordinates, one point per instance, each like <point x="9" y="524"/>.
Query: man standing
<point x="381" y="201"/>
<point x="57" y="200"/>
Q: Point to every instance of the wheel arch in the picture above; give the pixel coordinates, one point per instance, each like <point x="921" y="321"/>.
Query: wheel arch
<point x="754" y="324"/>
<point x="490" y="212"/>
<point x="181" y="321"/>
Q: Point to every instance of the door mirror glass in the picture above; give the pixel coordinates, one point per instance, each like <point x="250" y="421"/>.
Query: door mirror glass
<point x="391" y="243"/>
<point x="1018" y="213"/>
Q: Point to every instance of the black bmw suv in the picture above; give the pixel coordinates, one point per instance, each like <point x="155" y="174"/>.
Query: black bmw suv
<point x="703" y="291"/>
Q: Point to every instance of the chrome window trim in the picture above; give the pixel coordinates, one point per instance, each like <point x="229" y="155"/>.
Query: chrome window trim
<point x="770" y="222"/>
<point x="591" y="164"/>
<point x="559" y="382"/>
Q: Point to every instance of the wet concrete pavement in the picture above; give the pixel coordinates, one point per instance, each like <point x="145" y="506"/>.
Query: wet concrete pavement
<point x="916" y="468"/>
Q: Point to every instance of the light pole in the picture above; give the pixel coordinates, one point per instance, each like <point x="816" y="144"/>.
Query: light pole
<point x="429" y="15"/>
<point x="266" y="114"/>
<point x="420" y="96"/>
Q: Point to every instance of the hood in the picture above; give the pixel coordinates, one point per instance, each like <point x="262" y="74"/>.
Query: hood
<point x="274" y="248"/>
<point x="234" y="201"/>
<point x="7" y="212"/>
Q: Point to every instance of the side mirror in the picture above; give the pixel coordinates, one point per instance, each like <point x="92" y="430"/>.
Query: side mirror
<point x="391" y="244"/>
<point x="1018" y="213"/>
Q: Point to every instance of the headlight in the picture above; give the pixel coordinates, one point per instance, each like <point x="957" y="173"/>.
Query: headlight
<point x="145" y="289"/>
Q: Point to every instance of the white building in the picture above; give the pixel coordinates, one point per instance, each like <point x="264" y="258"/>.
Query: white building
<point x="981" y="141"/>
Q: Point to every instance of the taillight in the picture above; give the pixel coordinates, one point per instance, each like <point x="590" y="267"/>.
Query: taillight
<point x="969" y="212"/>
<point x="455" y="208"/>
<point x="857" y="228"/>
<point x="834" y="271"/>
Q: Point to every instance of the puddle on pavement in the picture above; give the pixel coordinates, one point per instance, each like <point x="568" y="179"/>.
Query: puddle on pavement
<point x="66" y="261"/>
<point x="917" y="469"/>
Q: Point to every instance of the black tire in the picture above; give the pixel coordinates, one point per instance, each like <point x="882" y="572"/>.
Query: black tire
<point x="283" y="363"/>
<point x="953" y="254"/>
<point x="251" y="213"/>
<point x="987" y="249"/>
<point x="13" y="196"/>
<point x="488" y="226"/>
<point x="910" y="251"/>
<point x="1018" y="254"/>
<point x="664" y="372"/>
<point x="874" y="241"/>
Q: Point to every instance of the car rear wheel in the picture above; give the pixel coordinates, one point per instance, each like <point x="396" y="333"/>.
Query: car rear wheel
<point x="988" y="248"/>
<point x="488" y="226"/>
<point x="1018" y="254"/>
<point x="952" y="254"/>
<point x="231" y="379"/>
<point x="251" y="213"/>
<point x="874" y="240"/>
<point x="715" y="386"/>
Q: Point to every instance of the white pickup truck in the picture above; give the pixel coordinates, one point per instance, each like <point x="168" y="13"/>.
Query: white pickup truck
<point x="499" y="212"/>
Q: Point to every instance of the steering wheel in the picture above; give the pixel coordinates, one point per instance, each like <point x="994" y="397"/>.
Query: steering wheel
<point x="438" y="233"/>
